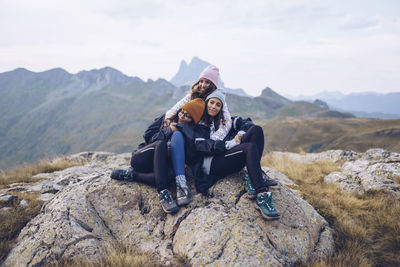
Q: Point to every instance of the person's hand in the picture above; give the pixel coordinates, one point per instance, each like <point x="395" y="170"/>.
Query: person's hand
<point x="173" y="126"/>
<point x="167" y="122"/>
<point x="230" y="144"/>
<point x="238" y="138"/>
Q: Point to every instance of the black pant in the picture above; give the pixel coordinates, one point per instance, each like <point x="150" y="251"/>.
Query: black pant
<point x="248" y="153"/>
<point x="151" y="165"/>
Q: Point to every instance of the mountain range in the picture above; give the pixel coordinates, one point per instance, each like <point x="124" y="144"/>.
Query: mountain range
<point x="367" y="104"/>
<point x="51" y="113"/>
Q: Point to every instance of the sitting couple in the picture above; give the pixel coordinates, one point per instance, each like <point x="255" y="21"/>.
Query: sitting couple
<point x="198" y="131"/>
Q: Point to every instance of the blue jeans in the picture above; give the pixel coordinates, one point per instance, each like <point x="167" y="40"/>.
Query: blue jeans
<point x="178" y="153"/>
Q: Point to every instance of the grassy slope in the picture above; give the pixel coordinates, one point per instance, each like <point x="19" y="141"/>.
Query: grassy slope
<point x="366" y="228"/>
<point x="358" y="134"/>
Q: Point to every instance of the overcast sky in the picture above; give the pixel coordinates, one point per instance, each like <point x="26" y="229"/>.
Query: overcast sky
<point x="295" y="47"/>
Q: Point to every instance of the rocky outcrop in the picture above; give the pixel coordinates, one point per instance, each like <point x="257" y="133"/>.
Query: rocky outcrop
<point x="376" y="169"/>
<point x="89" y="211"/>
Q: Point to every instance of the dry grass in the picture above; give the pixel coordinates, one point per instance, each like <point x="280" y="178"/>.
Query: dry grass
<point x="24" y="173"/>
<point x="394" y="178"/>
<point x="118" y="255"/>
<point x="14" y="219"/>
<point x="366" y="228"/>
<point x="321" y="134"/>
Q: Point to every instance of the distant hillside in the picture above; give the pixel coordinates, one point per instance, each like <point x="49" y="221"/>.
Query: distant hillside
<point x="54" y="112"/>
<point x="306" y="109"/>
<point x="320" y="134"/>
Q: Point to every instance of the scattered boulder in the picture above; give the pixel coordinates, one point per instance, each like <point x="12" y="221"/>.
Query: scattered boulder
<point x="91" y="211"/>
<point x="374" y="169"/>
<point x="46" y="196"/>
<point x="6" y="199"/>
<point x="24" y="203"/>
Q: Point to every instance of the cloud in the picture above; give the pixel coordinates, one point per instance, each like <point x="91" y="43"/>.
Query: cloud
<point x="291" y="44"/>
<point x="356" y="23"/>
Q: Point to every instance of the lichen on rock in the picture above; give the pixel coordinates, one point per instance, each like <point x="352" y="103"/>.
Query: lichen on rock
<point x="90" y="211"/>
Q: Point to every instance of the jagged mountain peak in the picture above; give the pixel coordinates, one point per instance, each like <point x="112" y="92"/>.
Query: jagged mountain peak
<point x="56" y="74"/>
<point x="102" y="71"/>
<point x="18" y="72"/>
<point x="189" y="73"/>
<point x="106" y="74"/>
<point x="271" y="94"/>
<point x="198" y="61"/>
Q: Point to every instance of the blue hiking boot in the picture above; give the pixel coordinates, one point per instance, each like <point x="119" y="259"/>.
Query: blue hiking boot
<point x="266" y="206"/>
<point x="251" y="191"/>
<point x="124" y="175"/>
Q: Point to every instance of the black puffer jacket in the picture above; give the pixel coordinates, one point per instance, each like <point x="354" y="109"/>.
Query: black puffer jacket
<point x="204" y="146"/>
<point x="155" y="132"/>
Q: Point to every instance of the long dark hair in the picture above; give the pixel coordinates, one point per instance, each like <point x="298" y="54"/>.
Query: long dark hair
<point x="195" y="91"/>
<point x="216" y="119"/>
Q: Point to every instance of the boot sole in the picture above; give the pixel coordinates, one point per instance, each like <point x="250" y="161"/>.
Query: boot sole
<point x="183" y="201"/>
<point x="170" y="211"/>
<point x="270" y="183"/>
<point x="269" y="218"/>
<point x="251" y="196"/>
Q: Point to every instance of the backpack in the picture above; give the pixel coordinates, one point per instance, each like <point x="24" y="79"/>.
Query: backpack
<point x="238" y="124"/>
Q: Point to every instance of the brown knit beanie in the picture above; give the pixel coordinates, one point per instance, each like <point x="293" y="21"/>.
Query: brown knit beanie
<point x="195" y="108"/>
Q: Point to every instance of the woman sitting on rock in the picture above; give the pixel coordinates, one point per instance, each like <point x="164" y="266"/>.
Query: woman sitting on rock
<point x="149" y="160"/>
<point x="218" y="159"/>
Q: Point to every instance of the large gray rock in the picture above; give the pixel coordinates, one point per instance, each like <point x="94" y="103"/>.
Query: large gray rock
<point x="376" y="169"/>
<point x="7" y="199"/>
<point x="373" y="170"/>
<point x="91" y="211"/>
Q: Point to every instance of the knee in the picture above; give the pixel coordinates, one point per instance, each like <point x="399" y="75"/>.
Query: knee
<point x="251" y="147"/>
<point x="257" y="130"/>
<point x="177" y="136"/>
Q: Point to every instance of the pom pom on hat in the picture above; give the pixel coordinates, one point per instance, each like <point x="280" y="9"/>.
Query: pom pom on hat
<point x="195" y="108"/>
<point x="211" y="73"/>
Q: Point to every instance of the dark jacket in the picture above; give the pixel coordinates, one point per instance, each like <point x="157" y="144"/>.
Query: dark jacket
<point x="204" y="146"/>
<point x="155" y="132"/>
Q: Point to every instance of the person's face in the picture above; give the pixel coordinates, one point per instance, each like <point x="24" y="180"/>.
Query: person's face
<point x="214" y="106"/>
<point x="204" y="84"/>
<point x="184" y="117"/>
